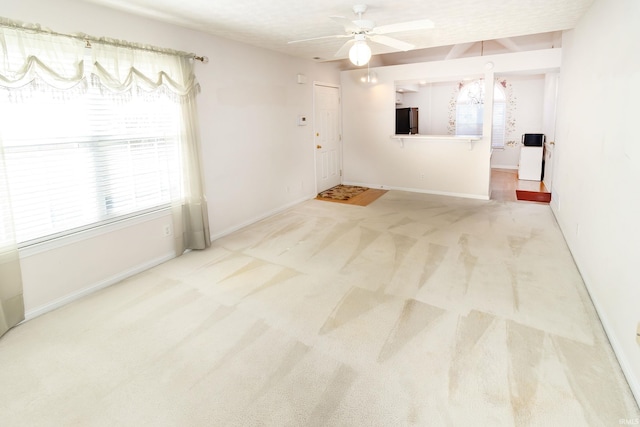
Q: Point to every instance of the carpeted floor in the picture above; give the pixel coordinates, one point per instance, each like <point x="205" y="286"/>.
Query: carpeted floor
<point x="415" y="310"/>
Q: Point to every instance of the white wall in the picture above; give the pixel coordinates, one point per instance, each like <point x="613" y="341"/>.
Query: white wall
<point x="372" y="158"/>
<point x="252" y="148"/>
<point x="56" y="273"/>
<point x="598" y="167"/>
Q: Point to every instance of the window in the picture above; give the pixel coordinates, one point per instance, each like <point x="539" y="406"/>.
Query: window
<point x="80" y="159"/>
<point x="470" y="111"/>
<point x="96" y="130"/>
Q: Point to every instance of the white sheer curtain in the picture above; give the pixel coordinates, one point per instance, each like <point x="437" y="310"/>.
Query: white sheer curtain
<point x="25" y="55"/>
<point x="40" y="60"/>
<point x="190" y="214"/>
<point x="11" y="301"/>
<point x="119" y="68"/>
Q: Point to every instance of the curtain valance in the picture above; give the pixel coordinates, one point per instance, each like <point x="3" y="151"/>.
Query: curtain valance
<point x="62" y="61"/>
<point x="121" y="67"/>
<point x="25" y="56"/>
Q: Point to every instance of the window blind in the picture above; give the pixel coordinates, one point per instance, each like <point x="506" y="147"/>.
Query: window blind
<point x="469" y="119"/>
<point x="470" y="112"/>
<point x="80" y="160"/>
<point x="499" y="119"/>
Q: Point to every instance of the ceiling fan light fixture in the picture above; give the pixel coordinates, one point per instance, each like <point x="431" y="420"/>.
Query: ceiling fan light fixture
<point x="360" y="53"/>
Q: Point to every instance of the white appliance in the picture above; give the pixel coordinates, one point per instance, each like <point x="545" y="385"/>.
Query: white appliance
<point x="531" y="154"/>
<point x="530" y="167"/>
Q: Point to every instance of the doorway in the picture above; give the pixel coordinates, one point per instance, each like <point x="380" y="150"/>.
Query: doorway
<point x="327" y="136"/>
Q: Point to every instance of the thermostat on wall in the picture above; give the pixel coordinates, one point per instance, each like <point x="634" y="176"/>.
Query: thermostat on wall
<point x="302" y="120"/>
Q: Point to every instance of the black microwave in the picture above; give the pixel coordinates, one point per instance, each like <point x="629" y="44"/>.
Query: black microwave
<point x="533" y="139"/>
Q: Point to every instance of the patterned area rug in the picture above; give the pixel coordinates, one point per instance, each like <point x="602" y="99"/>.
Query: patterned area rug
<point x="342" y="192"/>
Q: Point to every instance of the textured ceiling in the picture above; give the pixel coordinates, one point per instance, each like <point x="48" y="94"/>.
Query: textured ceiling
<point x="270" y="24"/>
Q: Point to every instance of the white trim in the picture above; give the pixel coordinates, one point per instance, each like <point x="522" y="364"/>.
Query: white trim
<point x="317" y="83"/>
<point x="79" y="236"/>
<point x="504" y="167"/>
<point x="260" y="217"/>
<point x="634" y="383"/>
<point x="38" y="311"/>
<point x="420" y="190"/>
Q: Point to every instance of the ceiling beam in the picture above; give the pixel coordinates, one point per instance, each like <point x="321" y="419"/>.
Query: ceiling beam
<point x="509" y="44"/>
<point x="458" y="49"/>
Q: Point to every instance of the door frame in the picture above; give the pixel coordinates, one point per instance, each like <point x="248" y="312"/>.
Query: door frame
<point x="315" y="130"/>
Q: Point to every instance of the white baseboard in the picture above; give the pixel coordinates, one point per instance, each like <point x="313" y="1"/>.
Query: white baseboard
<point x="420" y="190"/>
<point x="260" y="217"/>
<point x="38" y="311"/>
<point x="504" y="167"/>
<point x="632" y="380"/>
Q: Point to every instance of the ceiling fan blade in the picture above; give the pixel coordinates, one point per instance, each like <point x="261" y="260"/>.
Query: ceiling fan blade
<point x="335" y="36"/>
<point x="391" y="42"/>
<point x="344" y="50"/>
<point x="422" y="24"/>
<point x="348" y="25"/>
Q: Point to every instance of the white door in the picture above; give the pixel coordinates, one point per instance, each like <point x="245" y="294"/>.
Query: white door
<point x="327" y="136"/>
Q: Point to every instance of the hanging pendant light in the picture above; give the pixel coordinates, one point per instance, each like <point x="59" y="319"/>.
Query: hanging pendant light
<point x="371" y="77"/>
<point x="360" y="52"/>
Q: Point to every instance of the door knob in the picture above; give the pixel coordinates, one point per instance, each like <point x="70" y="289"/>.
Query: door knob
<point x="318" y="146"/>
<point x="317" y="133"/>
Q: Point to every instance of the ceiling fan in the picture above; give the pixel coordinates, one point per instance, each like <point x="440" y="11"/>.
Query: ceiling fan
<point x="360" y="30"/>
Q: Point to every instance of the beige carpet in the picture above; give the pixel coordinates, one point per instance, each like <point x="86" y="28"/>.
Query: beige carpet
<point x="416" y="310"/>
